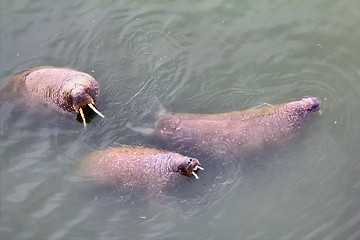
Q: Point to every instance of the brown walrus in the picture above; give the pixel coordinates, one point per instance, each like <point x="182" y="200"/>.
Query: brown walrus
<point x="127" y="167"/>
<point x="240" y="133"/>
<point x="63" y="89"/>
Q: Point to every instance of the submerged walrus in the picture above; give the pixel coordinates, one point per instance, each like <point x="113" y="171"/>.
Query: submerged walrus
<point x="127" y="167"/>
<point x="63" y="89"/>
<point x="240" y="133"/>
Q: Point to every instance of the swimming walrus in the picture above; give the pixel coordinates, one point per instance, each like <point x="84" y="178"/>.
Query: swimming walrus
<point x="239" y="133"/>
<point x="63" y="89"/>
<point x="139" y="167"/>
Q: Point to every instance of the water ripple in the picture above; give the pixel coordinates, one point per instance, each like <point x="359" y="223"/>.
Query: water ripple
<point x="204" y="57"/>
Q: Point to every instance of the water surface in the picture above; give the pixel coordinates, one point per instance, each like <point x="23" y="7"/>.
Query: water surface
<point x="203" y="57"/>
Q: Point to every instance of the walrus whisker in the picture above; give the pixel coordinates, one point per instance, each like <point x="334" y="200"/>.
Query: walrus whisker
<point x="200" y="168"/>
<point x="82" y="116"/>
<point x="95" y="110"/>
<point x="195" y="175"/>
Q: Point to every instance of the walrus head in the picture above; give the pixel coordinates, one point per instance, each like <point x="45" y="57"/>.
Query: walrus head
<point x="312" y="104"/>
<point x="189" y="166"/>
<point x="305" y="106"/>
<point x="81" y="98"/>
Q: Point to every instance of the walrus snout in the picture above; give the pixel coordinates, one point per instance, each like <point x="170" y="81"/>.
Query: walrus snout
<point x="190" y="166"/>
<point x="81" y="98"/>
<point x="313" y="104"/>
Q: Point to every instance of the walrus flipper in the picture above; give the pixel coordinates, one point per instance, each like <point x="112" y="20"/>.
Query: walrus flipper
<point x="142" y="130"/>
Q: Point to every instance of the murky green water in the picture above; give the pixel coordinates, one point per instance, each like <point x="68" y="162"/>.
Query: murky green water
<point x="190" y="56"/>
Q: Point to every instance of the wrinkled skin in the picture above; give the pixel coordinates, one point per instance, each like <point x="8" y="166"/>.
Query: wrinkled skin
<point x="128" y="167"/>
<point x="63" y="89"/>
<point x="239" y="133"/>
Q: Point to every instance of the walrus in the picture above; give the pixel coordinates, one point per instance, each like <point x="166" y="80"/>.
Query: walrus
<point x="137" y="167"/>
<point x="63" y="89"/>
<point x="239" y="133"/>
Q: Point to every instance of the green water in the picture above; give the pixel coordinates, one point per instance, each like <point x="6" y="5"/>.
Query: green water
<point x="190" y="56"/>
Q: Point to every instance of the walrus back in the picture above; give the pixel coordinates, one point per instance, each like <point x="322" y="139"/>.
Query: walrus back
<point x="128" y="167"/>
<point x="239" y="133"/>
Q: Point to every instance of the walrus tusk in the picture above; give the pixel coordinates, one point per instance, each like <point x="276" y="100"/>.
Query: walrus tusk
<point x="95" y="110"/>
<point x="82" y="116"/>
<point x="200" y="168"/>
<point x="195" y="175"/>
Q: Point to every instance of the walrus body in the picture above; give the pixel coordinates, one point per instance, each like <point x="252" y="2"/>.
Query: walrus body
<point x="63" y="89"/>
<point x="240" y="133"/>
<point x="128" y="167"/>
